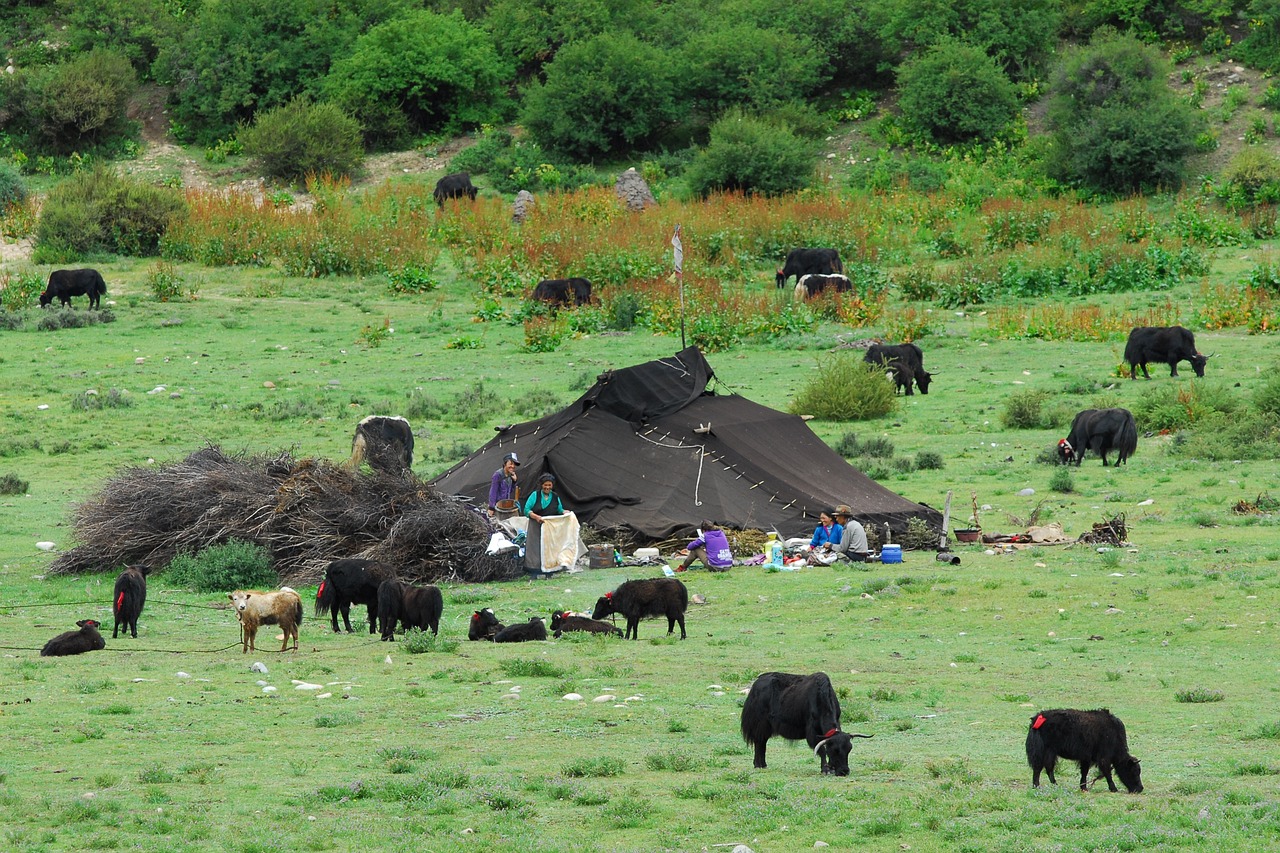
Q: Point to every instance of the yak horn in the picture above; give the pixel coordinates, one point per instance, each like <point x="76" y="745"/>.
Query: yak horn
<point x="820" y="744"/>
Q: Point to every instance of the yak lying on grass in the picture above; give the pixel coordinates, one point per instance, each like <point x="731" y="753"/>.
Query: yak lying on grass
<point x="534" y="629"/>
<point x="484" y="625"/>
<point x="87" y="639"/>
<point x="563" y="623"/>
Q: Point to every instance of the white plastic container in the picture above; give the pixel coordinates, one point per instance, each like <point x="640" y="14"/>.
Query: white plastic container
<point x="646" y="553"/>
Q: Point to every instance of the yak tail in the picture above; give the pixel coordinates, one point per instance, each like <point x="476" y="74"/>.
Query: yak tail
<point x="1036" y="752"/>
<point x="358" y="452"/>
<point x="1128" y="438"/>
<point x="324" y="598"/>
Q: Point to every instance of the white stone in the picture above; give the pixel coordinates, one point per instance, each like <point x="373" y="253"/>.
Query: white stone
<point x="42" y="406"/>
<point x="258" y="666"/>
<point x="572" y="697"/>
<point x="323" y="695"/>
<point x="1147" y="502"/>
<point x="303" y="685"/>
<point x="262" y="683"/>
<point x="1026" y="493"/>
<point x="608" y="697"/>
<point x="182" y="675"/>
<point x="46" y="546"/>
<point x="268" y="689"/>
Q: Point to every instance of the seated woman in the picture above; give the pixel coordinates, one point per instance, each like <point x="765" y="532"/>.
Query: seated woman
<point x="827" y="531"/>
<point x="711" y="547"/>
<point x="853" y="541"/>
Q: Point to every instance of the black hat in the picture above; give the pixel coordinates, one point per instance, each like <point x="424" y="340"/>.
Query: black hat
<point x="511" y="457"/>
<point x="546" y="478"/>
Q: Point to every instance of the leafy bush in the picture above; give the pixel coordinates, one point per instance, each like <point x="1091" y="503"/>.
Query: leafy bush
<point x="750" y="154"/>
<point x="1223" y="437"/>
<point x="955" y="92"/>
<point x="81" y="103"/>
<point x="1266" y="398"/>
<point x="1251" y="178"/>
<point x="100" y="211"/>
<point x="421" y="72"/>
<point x="166" y="283"/>
<point x="1175" y="406"/>
<point x="19" y="290"/>
<point x="220" y="568"/>
<point x="845" y="388"/>
<point x="1061" y="481"/>
<point x="304" y="138"/>
<point x="1117" y="124"/>
<point x="1023" y="410"/>
<point x="12" y="188"/>
<point x="13" y="485"/>
<point x="602" y="94"/>
<point x="780" y="67"/>
<point x="929" y="460"/>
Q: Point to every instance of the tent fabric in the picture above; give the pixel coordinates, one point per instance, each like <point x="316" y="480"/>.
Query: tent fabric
<point x="649" y="451"/>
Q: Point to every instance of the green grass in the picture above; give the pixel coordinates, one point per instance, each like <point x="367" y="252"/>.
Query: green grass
<point x="943" y="665"/>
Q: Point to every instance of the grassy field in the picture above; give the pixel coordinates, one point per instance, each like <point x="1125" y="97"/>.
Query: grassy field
<point x="169" y="743"/>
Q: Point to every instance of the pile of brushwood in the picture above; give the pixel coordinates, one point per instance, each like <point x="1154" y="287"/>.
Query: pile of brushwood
<point x="1108" y="532"/>
<point x="304" y="512"/>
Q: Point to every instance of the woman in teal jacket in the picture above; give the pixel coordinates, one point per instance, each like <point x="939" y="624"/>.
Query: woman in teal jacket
<point x="542" y="502"/>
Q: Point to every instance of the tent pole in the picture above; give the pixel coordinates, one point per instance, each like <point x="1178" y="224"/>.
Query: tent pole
<point x="946" y="521"/>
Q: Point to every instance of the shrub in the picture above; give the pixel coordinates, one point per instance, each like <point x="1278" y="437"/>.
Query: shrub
<point x="929" y="460"/>
<point x="100" y="211"/>
<point x="955" y="92"/>
<point x="780" y="67"/>
<point x="12" y="188"/>
<point x="19" y="290"/>
<point x="1117" y="125"/>
<point x="1061" y="481"/>
<point x="13" y="485"/>
<point x="81" y="103"/>
<point x="1199" y="695"/>
<point x="221" y="568"/>
<point x="602" y="94"/>
<point x="1175" y="406"/>
<point x="1251" y="178"/>
<point x="1023" y="410"/>
<point x="166" y="283"/>
<point x="304" y="138"/>
<point x="750" y="154"/>
<point x="421" y="72"/>
<point x="845" y="388"/>
<point x="1223" y="437"/>
<point x="1266" y="398"/>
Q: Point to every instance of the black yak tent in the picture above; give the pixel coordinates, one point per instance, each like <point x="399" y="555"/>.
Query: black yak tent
<point x="649" y="450"/>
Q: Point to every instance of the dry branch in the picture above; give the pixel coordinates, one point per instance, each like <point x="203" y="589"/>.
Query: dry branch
<point x="304" y="512"/>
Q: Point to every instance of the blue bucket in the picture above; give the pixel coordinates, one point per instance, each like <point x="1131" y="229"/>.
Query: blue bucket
<point x="891" y="554"/>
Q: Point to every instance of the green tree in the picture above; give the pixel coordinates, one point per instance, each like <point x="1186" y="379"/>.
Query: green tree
<point x="751" y="154"/>
<point x="302" y="138"/>
<point x="955" y="92"/>
<point x="1019" y="34"/>
<point x="134" y="28"/>
<point x="1261" y="47"/>
<point x="607" y="93"/>
<point x="780" y="67"/>
<point x="529" y="33"/>
<point x="421" y="72"/>
<point x="1117" y="126"/>
<point x="81" y="103"/>
<point x="236" y="58"/>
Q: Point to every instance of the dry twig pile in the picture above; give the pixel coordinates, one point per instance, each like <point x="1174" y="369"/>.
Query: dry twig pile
<point x="304" y="512"/>
<point x="1111" y="532"/>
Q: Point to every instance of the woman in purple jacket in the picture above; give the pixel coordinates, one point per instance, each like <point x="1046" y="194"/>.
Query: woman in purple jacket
<point x="711" y="547"/>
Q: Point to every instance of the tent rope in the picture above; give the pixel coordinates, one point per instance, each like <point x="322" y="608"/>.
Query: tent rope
<point x="702" y="453"/>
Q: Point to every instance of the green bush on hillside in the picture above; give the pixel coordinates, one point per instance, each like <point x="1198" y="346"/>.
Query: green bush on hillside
<point x="1176" y="405"/>
<point x="222" y="568"/>
<point x="1250" y="179"/>
<point x="80" y="104"/>
<point x="779" y="68"/>
<point x="845" y="388"/>
<point x="12" y="188"/>
<point x="954" y="92"/>
<point x="304" y="138"/>
<point x="421" y="72"/>
<point x="751" y="154"/>
<point x="1117" y="125"/>
<point x="602" y="95"/>
<point x="100" y="211"/>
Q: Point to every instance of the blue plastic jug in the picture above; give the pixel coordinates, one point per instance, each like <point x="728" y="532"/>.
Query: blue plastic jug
<point x="891" y="554"/>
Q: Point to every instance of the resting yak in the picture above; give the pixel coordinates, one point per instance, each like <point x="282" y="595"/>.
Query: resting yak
<point x="1100" y="430"/>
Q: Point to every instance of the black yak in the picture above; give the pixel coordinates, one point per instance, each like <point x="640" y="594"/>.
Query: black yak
<point x="1092" y="738"/>
<point x="351" y="581"/>
<point x="896" y="357"/>
<point x="458" y="185"/>
<point x="562" y="623"/>
<point x="255" y="609"/>
<point x="1100" y="430"/>
<point x="128" y="599"/>
<point x="1165" y="344"/>
<point x="64" y="284"/>
<point x="534" y="629"/>
<point x="802" y="262"/>
<point x="637" y="600"/>
<point x="87" y="639"/>
<point x="414" y="606"/>
<point x="562" y="291"/>
<point x="797" y="707"/>
<point x="484" y="625"/>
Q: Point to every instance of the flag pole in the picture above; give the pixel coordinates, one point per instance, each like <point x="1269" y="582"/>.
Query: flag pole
<point x="677" y="255"/>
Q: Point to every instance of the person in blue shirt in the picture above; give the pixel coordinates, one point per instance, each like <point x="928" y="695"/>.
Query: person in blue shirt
<point x="711" y="547"/>
<point x="826" y="532"/>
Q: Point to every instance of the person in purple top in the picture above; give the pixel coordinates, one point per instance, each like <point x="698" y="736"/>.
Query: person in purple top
<point x="503" y="485"/>
<point x="711" y="547"/>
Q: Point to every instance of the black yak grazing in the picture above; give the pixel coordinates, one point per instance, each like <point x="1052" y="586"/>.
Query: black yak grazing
<point x="128" y="599"/>
<point x="534" y="629"/>
<point x="87" y="639"/>
<point x="562" y="623"/>
<point x="351" y="581"/>
<point x="797" y="707"/>
<point x="414" y="606"/>
<point x="1092" y="738"/>
<point x="650" y="597"/>
<point x="1100" y="430"/>
<point x="484" y="625"/>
